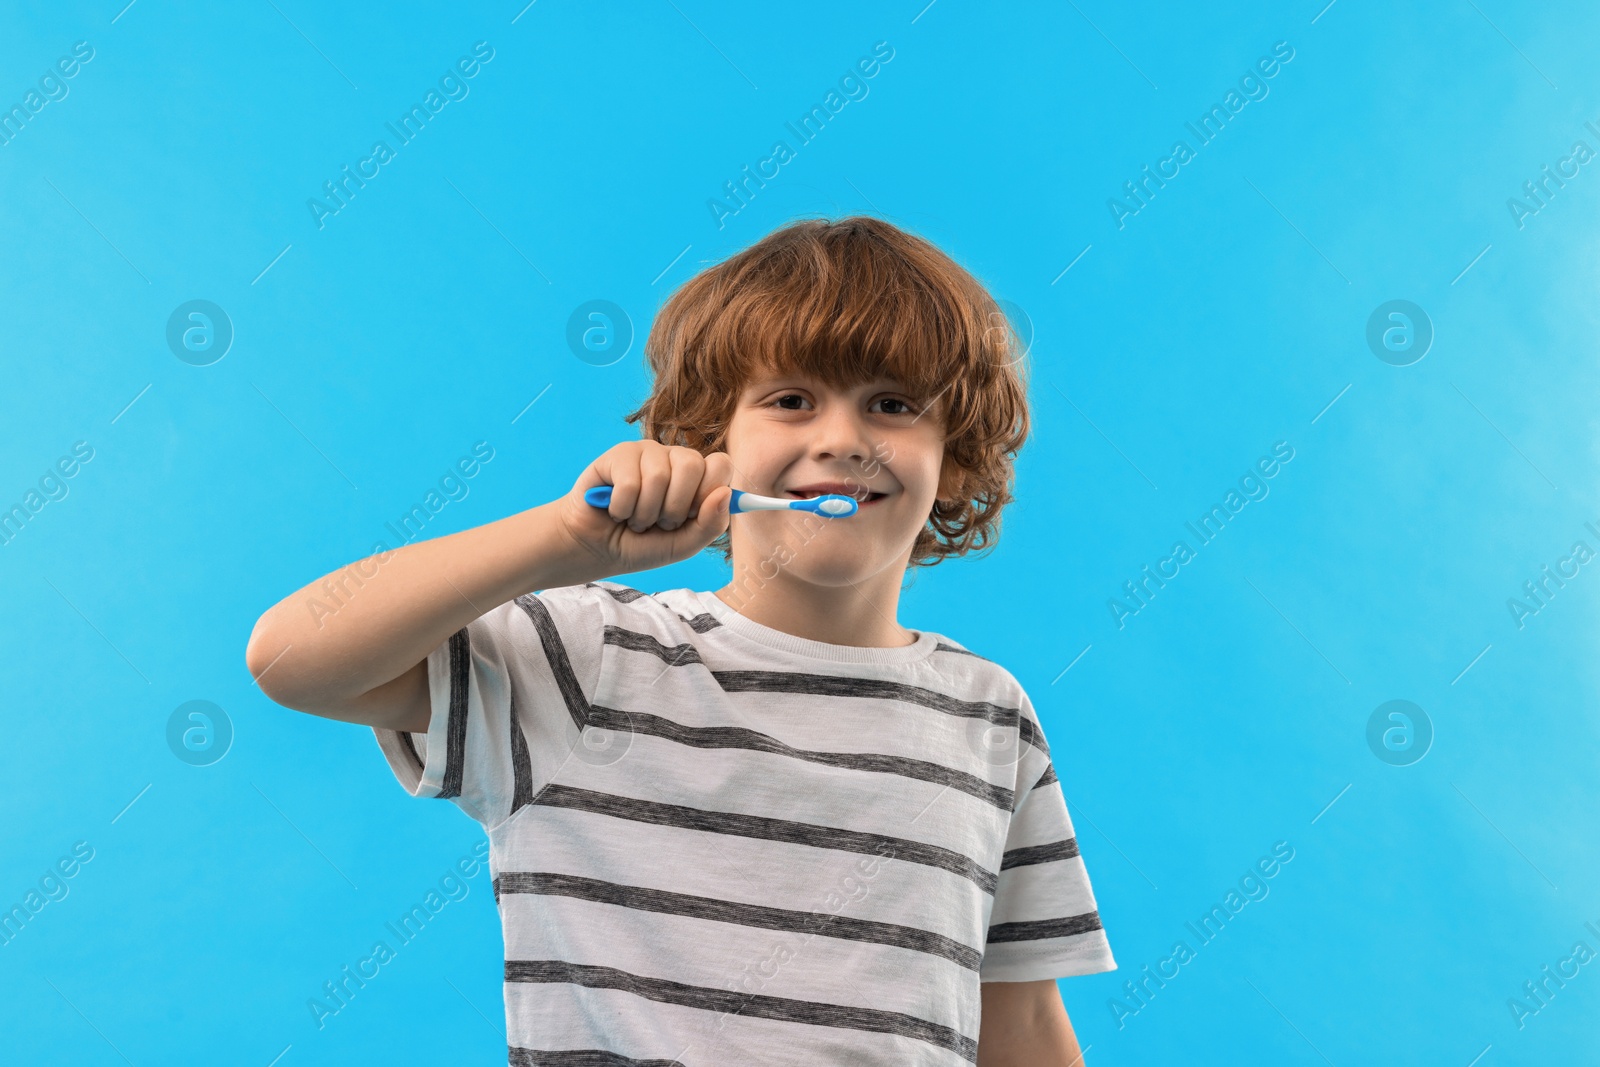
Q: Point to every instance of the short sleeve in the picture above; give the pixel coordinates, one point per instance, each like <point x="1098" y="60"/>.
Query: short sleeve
<point x="1044" y="923"/>
<point x="509" y="694"/>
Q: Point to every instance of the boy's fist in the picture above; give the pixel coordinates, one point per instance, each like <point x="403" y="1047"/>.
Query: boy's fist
<point x="667" y="503"/>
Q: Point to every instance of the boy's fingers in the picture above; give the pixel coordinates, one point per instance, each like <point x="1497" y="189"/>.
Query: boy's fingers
<point x="687" y="467"/>
<point x="655" y="474"/>
<point x="713" y="517"/>
<point x="616" y="468"/>
<point x="695" y="533"/>
<point x="624" y="492"/>
<point x="718" y="473"/>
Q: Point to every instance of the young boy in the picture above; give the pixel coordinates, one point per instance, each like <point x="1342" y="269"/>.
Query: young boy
<point x="766" y="824"/>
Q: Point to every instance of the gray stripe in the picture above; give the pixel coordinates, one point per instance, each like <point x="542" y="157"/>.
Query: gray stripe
<point x="1039" y="929"/>
<point x="455" y="753"/>
<point x="1048" y="776"/>
<point x="1027" y="857"/>
<point x="1032" y="734"/>
<point x="702" y="622"/>
<point x="807" y="1012"/>
<point x="582" y="1057"/>
<point x="411" y="750"/>
<point x="638" y="722"/>
<point x="943" y="647"/>
<point x="621" y="596"/>
<point x="521" y="764"/>
<point x="878" y="689"/>
<point x="555" y="652"/>
<point x="726" y="911"/>
<point x="672" y="655"/>
<point x="762" y="828"/>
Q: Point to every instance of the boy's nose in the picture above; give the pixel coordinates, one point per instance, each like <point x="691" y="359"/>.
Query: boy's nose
<point x="841" y="434"/>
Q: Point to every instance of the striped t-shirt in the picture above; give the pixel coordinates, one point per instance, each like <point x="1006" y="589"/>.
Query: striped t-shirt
<point x="713" y="842"/>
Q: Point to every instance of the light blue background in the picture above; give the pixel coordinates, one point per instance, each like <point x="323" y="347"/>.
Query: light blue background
<point x="426" y="315"/>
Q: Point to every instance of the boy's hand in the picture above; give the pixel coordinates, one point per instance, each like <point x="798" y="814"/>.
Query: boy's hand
<point x="667" y="503"/>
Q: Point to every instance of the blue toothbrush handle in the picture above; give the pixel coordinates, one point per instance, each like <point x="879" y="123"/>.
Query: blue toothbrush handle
<point x="600" y="497"/>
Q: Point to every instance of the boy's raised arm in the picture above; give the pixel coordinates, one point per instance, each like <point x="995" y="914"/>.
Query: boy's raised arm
<point x="366" y="662"/>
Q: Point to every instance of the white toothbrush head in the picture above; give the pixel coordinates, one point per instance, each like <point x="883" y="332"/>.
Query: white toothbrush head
<point x="834" y="506"/>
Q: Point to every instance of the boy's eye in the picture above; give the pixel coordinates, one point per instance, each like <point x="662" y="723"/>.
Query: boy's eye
<point x="904" y="409"/>
<point x="796" y="402"/>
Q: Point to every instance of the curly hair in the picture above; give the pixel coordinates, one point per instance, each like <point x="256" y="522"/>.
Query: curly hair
<point x="847" y="302"/>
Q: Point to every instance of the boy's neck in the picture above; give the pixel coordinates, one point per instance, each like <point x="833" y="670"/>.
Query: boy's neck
<point x="861" y="614"/>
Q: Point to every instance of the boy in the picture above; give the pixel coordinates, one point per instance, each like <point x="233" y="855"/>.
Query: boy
<point x="764" y="825"/>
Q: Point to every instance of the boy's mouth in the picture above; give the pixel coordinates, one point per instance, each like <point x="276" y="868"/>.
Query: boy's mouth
<point x="862" y="494"/>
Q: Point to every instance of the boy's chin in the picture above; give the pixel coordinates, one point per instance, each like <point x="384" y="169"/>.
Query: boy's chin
<point x="835" y="573"/>
<point x="839" y="564"/>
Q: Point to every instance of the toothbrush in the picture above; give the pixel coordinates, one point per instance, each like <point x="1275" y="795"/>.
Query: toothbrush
<point x="831" y="505"/>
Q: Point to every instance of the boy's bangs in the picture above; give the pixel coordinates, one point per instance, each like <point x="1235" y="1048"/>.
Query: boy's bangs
<point x="845" y="330"/>
<point x="845" y="309"/>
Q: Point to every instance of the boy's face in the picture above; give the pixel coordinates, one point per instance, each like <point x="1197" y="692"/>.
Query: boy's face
<point x="791" y="436"/>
